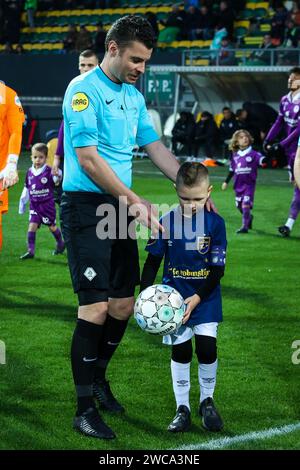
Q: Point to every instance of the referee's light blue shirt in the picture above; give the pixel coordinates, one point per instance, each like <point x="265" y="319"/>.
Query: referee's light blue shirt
<point x="113" y="117"/>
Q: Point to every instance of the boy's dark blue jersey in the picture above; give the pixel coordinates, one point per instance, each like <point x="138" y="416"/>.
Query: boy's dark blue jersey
<point x="190" y="246"/>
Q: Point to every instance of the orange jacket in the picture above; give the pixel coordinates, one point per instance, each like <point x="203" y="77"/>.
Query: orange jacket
<point x="11" y="123"/>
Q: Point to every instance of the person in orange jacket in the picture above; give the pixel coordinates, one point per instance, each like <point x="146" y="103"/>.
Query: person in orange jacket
<point x="11" y="123"/>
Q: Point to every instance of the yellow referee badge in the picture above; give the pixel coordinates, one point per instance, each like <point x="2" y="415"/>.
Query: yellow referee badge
<point x="79" y="102"/>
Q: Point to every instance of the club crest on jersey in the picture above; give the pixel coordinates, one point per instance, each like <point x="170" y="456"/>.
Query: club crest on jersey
<point x="79" y="102"/>
<point x="203" y="244"/>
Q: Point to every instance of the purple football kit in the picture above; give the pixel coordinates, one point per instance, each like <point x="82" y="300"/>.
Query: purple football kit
<point x="244" y="165"/>
<point x="40" y="185"/>
<point x="288" y="121"/>
<point x="39" y="191"/>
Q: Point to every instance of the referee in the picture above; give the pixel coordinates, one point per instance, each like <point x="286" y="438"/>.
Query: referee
<point x="105" y="116"/>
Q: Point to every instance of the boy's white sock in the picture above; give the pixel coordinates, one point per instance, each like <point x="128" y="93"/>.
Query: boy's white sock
<point x="181" y="383"/>
<point x="207" y="374"/>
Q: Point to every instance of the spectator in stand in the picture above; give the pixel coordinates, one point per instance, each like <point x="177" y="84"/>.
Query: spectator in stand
<point x="238" y="6"/>
<point x="202" y="26"/>
<point x="173" y="25"/>
<point x="8" y="49"/>
<point x="226" y="54"/>
<point x="84" y="40"/>
<point x="1" y="22"/>
<point x="263" y="55"/>
<point x="11" y="11"/>
<point x="291" y="40"/>
<point x="152" y="18"/>
<point x="99" y="40"/>
<point x="19" y="49"/>
<point x="71" y="39"/>
<point x="278" y="23"/>
<point x="206" y="134"/>
<point x="225" y="18"/>
<point x="68" y="5"/>
<point x="228" y="126"/>
<point x="30" y="7"/>
<point x="191" y="3"/>
<point x="295" y="15"/>
<point x="281" y="13"/>
<point x="291" y="34"/>
<point x="183" y="132"/>
<point x="191" y="22"/>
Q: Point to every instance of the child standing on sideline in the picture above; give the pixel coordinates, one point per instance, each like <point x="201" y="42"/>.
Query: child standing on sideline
<point x="244" y="163"/>
<point x="39" y="190"/>
<point x="193" y="247"/>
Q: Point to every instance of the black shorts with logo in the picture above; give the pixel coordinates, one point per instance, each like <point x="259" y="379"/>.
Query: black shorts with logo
<point x="100" y="268"/>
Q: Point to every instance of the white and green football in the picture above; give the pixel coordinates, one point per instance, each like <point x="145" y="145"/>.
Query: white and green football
<point x="159" y="309"/>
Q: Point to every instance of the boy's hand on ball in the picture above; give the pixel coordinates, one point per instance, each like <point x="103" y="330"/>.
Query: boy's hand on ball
<point x="191" y="303"/>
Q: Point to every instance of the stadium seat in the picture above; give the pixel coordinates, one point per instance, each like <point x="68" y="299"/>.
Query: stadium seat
<point x="246" y="14"/>
<point x="218" y="118"/>
<point x="260" y="13"/>
<point x="197" y="62"/>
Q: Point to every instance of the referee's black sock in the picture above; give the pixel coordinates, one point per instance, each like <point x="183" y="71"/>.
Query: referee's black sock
<point x="84" y="351"/>
<point x="113" y="333"/>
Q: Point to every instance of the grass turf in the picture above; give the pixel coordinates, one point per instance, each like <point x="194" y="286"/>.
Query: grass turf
<point x="257" y="386"/>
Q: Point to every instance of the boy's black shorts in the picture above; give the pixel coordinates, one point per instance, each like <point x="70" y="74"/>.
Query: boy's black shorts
<point x="100" y="268"/>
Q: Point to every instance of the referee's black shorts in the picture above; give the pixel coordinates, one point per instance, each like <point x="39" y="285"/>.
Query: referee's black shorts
<point x="100" y="268"/>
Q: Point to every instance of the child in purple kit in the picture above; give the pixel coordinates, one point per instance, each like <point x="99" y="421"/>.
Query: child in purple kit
<point x="39" y="191"/>
<point x="244" y="163"/>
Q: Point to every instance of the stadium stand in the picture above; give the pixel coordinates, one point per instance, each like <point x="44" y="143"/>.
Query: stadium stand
<point x="51" y="26"/>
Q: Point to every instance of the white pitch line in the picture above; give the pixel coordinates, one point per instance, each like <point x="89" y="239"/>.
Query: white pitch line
<point x="251" y="436"/>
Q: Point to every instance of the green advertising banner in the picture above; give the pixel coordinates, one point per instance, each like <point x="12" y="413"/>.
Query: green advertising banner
<point x="160" y="85"/>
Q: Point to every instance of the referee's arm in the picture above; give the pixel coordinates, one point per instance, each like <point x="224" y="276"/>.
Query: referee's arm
<point x="163" y="159"/>
<point x="102" y="174"/>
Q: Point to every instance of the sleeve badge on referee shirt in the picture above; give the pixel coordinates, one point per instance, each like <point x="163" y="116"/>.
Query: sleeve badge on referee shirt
<point x="79" y="102"/>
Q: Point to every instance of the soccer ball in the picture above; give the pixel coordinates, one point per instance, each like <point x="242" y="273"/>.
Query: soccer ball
<point x="159" y="309"/>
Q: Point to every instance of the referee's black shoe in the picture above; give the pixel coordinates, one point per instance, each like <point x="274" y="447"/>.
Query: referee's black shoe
<point x="181" y="421"/>
<point x="211" y="419"/>
<point x="91" y="424"/>
<point x="105" y="397"/>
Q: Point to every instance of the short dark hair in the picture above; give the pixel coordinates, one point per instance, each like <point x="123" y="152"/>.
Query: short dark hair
<point x="295" y="70"/>
<point x="191" y="173"/>
<point x="40" y="147"/>
<point x="87" y="53"/>
<point x="131" y="28"/>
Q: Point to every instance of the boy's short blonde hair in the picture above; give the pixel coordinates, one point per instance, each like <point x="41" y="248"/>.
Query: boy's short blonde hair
<point x="191" y="174"/>
<point x="41" y="147"/>
<point x="233" y="145"/>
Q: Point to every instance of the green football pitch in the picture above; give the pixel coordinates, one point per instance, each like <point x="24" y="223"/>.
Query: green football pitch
<point x="257" y="389"/>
